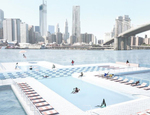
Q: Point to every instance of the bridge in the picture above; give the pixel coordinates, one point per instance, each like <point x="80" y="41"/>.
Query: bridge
<point x="123" y="40"/>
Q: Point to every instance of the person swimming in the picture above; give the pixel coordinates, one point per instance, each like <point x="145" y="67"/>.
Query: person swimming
<point x="24" y="56"/>
<point x="75" y="90"/>
<point x="103" y="104"/>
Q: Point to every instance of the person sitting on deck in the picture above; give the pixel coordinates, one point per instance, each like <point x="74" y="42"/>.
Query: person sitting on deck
<point x="45" y="76"/>
<point x="81" y="74"/>
<point x="75" y="90"/>
<point x="136" y="83"/>
<point x="53" y="66"/>
<point x="103" y="104"/>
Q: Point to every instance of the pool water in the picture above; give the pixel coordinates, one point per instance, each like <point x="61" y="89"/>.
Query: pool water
<point x="9" y="104"/>
<point x="89" y="96"/>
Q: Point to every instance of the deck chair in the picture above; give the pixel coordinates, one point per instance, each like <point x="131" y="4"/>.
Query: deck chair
<point x="38" y="101"/>
<point x="125" y="80"/>
<point x="141" y="113"/>
<point x="41" y="104"/>
<point x="136" y="83"/>
<point x="148" y="111"/>
<point x="142" y="85"/>
<point x="50" y="112"/>
<point x="120" y="79"/>
<point x="115" y="78"/>
<point x="45" y="108"/>
<point x="36" y="97"/>
<point x="147" y="88"/>
<point x="130" y="82"/>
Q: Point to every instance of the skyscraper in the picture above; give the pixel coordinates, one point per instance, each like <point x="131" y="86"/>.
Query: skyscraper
<point x="76" y="23"/>
<point x="51" y="29"/>
<point x="24" y="33"/>
<point x="43" y="19"/>
<point x="11" y="29"/>
<point x="57" y="28"/>
<point x="1" y="18"/>
<point x="37" y="29"/>
<point x="66" y="35"/>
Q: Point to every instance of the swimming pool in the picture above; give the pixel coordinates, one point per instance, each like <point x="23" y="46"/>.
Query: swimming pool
<point x="9" y="102"/>
<point x="89" y="96"/>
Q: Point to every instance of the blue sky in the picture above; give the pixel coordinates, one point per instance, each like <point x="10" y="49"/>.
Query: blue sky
<point x="96" y="16"/>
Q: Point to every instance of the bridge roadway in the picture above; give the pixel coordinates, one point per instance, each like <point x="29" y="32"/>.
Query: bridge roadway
<point x="123" y="40"/>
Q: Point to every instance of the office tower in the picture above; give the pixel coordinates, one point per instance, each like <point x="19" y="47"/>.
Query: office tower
<point x="1" y="18"/>
<point x="136" y="41"/>
<point x="37" y="29"/>
<point x="11" y="29"/>
<point x="122" y="24"/>
<point x="52" y="38"/>
<point x="1" y="33"/>
<point x="24" y="34"/>
<point x="58" y="38"/>
<point x="31" y="34"/>
<point x="87" y="38"/>
<point x="57" y="28"/>
<point x="100" y="41"/>
<point x="76" y="23"/>
<point x="66" y="35"/>
<point x="51" y="29"/>
<point x="72" y="40"/>
<point x="43" y="19"/>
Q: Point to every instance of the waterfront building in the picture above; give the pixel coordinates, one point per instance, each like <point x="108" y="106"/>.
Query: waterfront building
<point x="43" y="19"/>
<point x="1" y="33"/>
<point x="24" y="34"/>
<point x="1" y="18"/>
<point x="31" y="34"/>
<point x="87" y="38"/>
<point x="37" y="29"/>
<point x="76" y="23"/>
<point x="72" y="39"/>
<point x="100" y="41"/>
<point x="95" y="40"/>
<point x="11" y="29"/>
<point x="136" y="41"/>
<point x="147" y="40"/>
<point x="122" y="24"/>
<point x="52" y="38"/>
<point x="66" y="34"/>
<point x="51" y="29"/>
<point x="58" y="38"/>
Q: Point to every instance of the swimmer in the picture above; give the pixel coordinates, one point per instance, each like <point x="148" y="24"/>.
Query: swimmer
<point x="75" y="90"/>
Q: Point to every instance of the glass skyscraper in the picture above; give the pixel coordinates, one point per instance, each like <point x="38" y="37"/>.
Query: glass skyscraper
<point x="76" y="23"/>
<point x="51" y="29"/>
<point x="43" y="19"/>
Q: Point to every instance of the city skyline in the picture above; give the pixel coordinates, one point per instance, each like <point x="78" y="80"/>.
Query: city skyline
<point x="97" y="17"/>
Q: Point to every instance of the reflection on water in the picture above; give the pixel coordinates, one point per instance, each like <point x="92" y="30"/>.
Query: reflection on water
<point x="64" y="57"/>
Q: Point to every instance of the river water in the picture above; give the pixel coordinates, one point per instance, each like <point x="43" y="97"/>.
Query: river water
<point x="64" y="57"/>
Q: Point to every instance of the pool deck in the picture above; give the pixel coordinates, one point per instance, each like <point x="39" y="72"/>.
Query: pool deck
<point x="66" y="108"/>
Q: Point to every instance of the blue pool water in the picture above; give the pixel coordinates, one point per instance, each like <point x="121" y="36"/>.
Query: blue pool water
<point x="9" y="104"/>
<point x="89" y="96"/>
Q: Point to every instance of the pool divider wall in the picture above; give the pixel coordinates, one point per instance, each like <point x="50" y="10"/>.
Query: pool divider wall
<point x="22" y="102"/>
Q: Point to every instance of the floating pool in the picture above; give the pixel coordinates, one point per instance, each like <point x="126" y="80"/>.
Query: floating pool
<point x="9" y="103"/>
<point x="89" y="96"/>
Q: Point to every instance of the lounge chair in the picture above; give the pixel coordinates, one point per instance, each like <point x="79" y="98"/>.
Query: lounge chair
<point x="148" y="111"/>
<point x="50" y="112"/>
<point x="115" y="78"/>
<point x="141" y="113"/>
<point x="32" y="95"/>
<point x="28" y="90"/>
<point x="36" y="97"/>
<point x="32" y="92"/>
<point x="120" y="79"/>
<point x="130" y="82"/>
<point x="45" y="108"/>
<point x="38" y="101"/>
<point x="125" y="80"/>
<point x="41" y="104"/>
<point x="147" y="88"/>
<point x="142" y="85"/>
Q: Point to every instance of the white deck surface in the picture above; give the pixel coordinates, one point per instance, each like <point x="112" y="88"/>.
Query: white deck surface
<point x="66" y="108"/>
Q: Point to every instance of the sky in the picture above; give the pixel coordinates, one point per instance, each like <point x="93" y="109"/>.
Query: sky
<point x="96" y="16"/>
